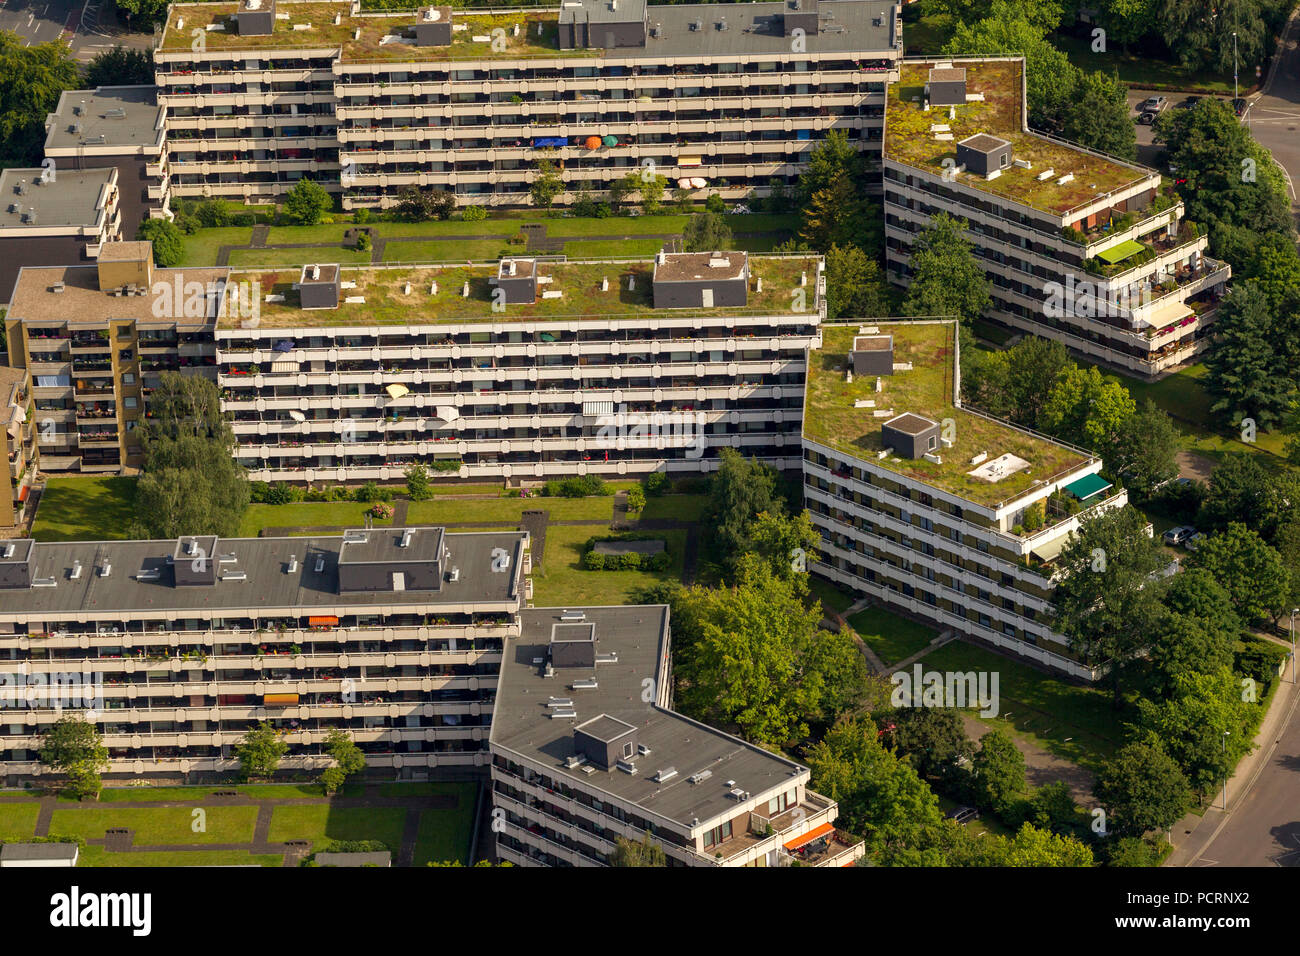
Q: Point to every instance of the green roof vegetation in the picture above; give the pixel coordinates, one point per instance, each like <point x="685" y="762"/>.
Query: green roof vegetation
<point x="1121" y="252"/>
<point x="388" y="303"/>
<point x="317" y="30"/>
<point x="831" y="419"/>
<point x="909" y="139"/>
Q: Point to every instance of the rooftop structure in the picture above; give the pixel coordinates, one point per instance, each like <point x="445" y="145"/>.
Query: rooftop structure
<point x="851" y="416"/>
<point x="714" y="30"/>
<point x="44" y="200"/>
<point x="925" y="135"/>
<point x="107" y="118"/>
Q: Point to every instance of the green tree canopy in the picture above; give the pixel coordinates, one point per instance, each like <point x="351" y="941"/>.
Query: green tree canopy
<point x="706" y="231"/>
<point x="1254" y="575"/>
<point x="121" y="66"/>
<point x="260" y="751"/>
<point x="1248" y="374"/>
<point x="998" y="771"/>
<point x="31" y="80"/>
<point x="643" y="852"/>
<point x="307" y="202"/>
<point x="1141" y="788"/>
<point x="168" y="243"/>
<point x="854" y="287"/>
<point x="73" y="746"/>
<point x="947" y="280"/>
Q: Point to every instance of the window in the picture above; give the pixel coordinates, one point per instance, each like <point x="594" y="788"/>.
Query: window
<point x="128" y="378"/>
<point x="1003" y="159"/>
<point x="130" y="401"/>
<point x="627" y="750"/>
<point x="717" y="835"/>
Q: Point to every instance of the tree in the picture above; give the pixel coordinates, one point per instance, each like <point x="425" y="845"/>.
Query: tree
<point x="422" y="203"/>
<point x="1205" y="34"/>
<point x="786" y="543"/>
<point x="1145" y="449"/>
<point x="191" y="483"/>
<point x="705" y="232"/>
<point x="1014" y="383"/>
<point x="998" y="771"/>
<point x="752" y="656"/>
<point x="1197" y="633"/>
<point x="31" y="80"/>
<point x="142" y="13"/>
<point x="1086" y="408"/>
<point x="73" y="746"/>
<point x="1254" y="575"/>
<point x="1109" y="597"/>
<point x="1245" y="491"/>
<point x="348" y="760"/>
<point x="1033" y="847"/>
<point x="1127" y="21"/>
<point x="854" y="288"/>
<point x="168" y="243"/>
<point x="546" y="185"/>
<point x="645" y="852"/>
<point x="260" y="751"/>
<point x="1202" y="725"/>
<point x="1098" y="116"/>
<point x="121" y="66"/>
<point x="933" y="739"/>
<point x="635" y="500"/>
<point x="832" y="192"/>
<point x="946" y="278"/>
<point x="417" y="483"/>
<point x="741" y="489"/>
<point x="1247" y="374"/>
<point x="307" y="202"/>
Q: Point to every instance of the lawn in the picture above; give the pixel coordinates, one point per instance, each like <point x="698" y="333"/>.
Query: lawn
<point x="84" y="509"/>
<point x="261" y="791"/>
<point x="439" y="511"/>
<point x="675" y="507"/>
<point x="449" y="250"/>
<point x="893" y="638"/>
<point x="18" y="820"/>
<point x="560" y="580"/>
<point x="98" y="856"/>
<point x="305" y="514"/>
<point x="155" y="826"/>
<point x="256" y="258"/>
<point x="443" y="834"/>
<point x="321" y="822"/>
<point x="1140" y="71"/>
<point x="606" y="248"/>
<point x="833" y="598"/>
<point x="201" y="248"/>
<point x="1074" y="722"/>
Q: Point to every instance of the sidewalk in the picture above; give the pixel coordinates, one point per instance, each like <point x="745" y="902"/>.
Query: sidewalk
<point x="1192" y="835"/>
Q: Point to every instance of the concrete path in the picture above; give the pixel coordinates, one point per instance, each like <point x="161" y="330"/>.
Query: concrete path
<point x="1041" y="766"/>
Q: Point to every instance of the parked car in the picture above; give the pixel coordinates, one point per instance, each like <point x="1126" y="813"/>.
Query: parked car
<point x="1194" y="541"/>
<point x="1190" y="102"/>
<point x="963" y="814"/>
<point x="1153" y="104"/>
<point x="1148" y="118"/>
<point x="1239" y="106"/>
<point x="1176" y="536"/>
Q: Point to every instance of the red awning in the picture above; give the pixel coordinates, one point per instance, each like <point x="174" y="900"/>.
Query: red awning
<point x="811" y="835"/>
<point x="22" y="492"/>
<point x="322" y="621"/>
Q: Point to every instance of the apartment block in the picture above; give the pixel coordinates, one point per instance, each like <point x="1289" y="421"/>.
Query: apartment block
<point x="1081" y="248"/>
<point x="94" y="339"/>
<point x="719" y="98"/>
<point x="586" y="748"/>
<point x="940" y="510"/>
<point x="53" y="215"/>
<point x="524" y="369"/>
<point x="19" y="444"/>
<point x="174" y="649"/>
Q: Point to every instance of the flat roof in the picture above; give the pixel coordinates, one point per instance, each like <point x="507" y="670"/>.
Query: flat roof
<point x="872" y="343"/>
<point x="126" y="251"/>
<point x="831" y="416"/>
<point x="847" y="26"/>
<point x="38" y="851"/>
<point x="950" y="74"/>
<point x="267" y="585"/>
<point x="387" y="545"/>
<point x="72" y="198"/>
<point x="126" y="117"/>
<point x="910" y="424"/>
<point x="386" y="300"/>
<point x="82" y="301"/>
<point x="983" y="142"/>
<point x="909" y="139"/>
<point x="699" y="266"/>
<point x="639" y="635"/>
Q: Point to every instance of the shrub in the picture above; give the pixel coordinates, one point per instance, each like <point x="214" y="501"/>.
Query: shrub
<point x="657" y="483"/>
<point x="381" y="510"/>
<point x="635" y="499"/>
<point x="281" y="493"/>
<point x="243" y="219"/>
<point x="592" y="561"/>
<point x="1034" y="516"/>
<point x="417" y="483"/>
<point x="368" y="492"/>
<point x="585" y="487"/>
<point x="257" y="491"/>
<point x="363" y="241"/>
<point x="631" y="561"/>
<point x="446" y="464"/>
<point x="474" y="214"/>
<point x="361" y="216"/>
<point x="657" y="562"/>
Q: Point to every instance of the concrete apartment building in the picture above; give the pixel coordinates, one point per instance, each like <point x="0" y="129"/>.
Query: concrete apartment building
<point x="177" y="648"/>
<point x="523" y="370"/>
<point x="121" y="127"/>
<point x="19" y="444"/>
<point x="94" y="339"/>
<point x="51" y="214"/>
<point x="1082" y="248"/>
<point x="718" y="97"/>
<point x="586" y="748"/>
<point x="942" y="511"/>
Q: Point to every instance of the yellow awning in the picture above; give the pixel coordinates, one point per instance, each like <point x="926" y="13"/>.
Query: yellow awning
<point x="690" y="160"/>
<point x="279" y="700"/>
<point x="397" y="391"/>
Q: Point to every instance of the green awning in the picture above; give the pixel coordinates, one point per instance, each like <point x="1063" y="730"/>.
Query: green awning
<point x="1121" y="252"/>
<point x="1088" y="487"/>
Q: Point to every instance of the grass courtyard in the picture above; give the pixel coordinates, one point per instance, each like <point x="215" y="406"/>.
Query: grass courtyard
<point x="80" y="508"/>
<point x="893" y="638"/>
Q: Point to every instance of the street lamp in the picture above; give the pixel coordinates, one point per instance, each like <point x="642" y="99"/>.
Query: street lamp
<point x="1234" y="66"/>
<point x="1224" y="741"/>
<point x="1294" y="612"/>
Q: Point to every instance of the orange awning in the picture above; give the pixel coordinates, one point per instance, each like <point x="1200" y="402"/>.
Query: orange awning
<point x="811" y="835"/>
<point x="279" y="700"/>
<point x="322" y="621"/>
<point x="22" y="492"/>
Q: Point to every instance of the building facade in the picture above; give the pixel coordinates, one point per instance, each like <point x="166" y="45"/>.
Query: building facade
<point x="176" y="648"/>
<point x="20" y="444"/>
<point x="714" y="97"/>
<point x="586" y="748"/>
<point x="937" y="509"/>
<point x="1082" y="248"/>
<point x="522" y="370"/>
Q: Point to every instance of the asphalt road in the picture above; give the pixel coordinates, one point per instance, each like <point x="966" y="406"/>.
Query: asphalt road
<point x="1264" y="828"/>
<point x="1274" y="115"/>
<point x="88" y="26"/>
